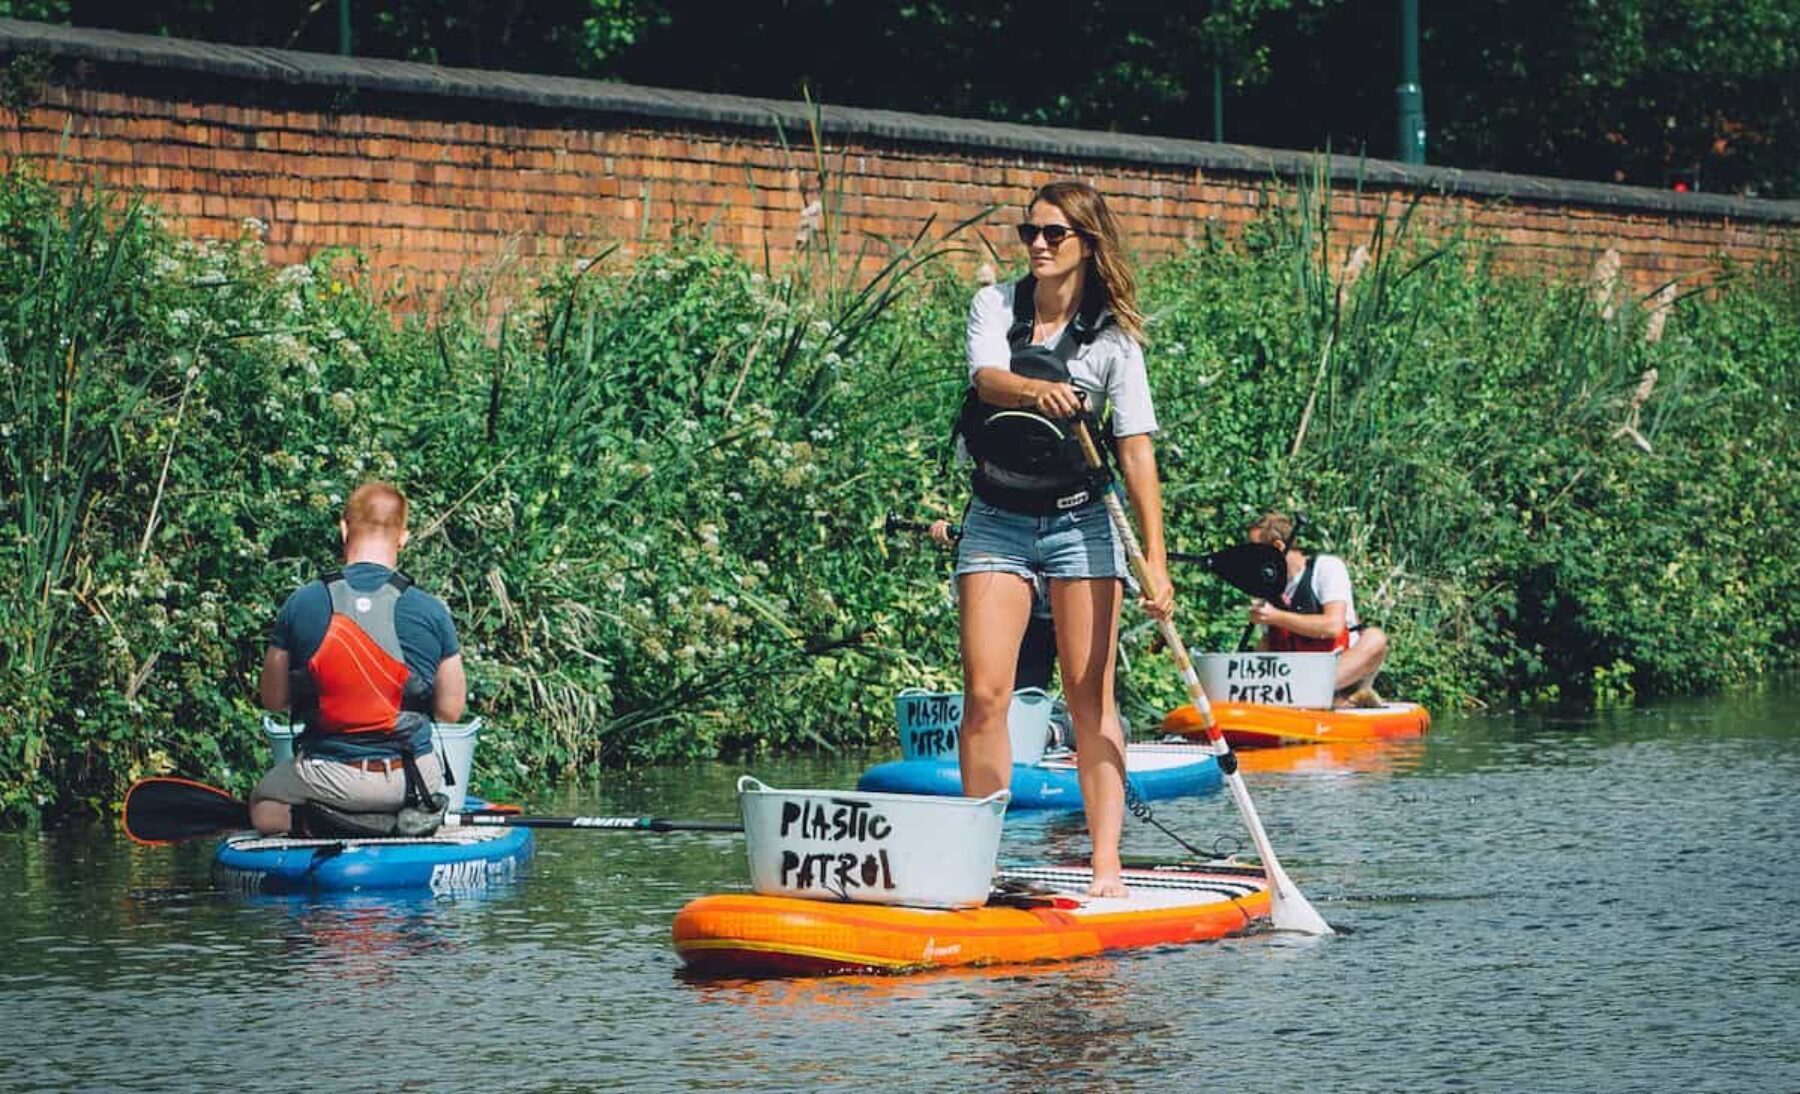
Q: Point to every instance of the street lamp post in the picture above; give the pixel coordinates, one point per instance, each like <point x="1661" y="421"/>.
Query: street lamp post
<point x="1218" y="103"/>
<point x="1410" y="95"/>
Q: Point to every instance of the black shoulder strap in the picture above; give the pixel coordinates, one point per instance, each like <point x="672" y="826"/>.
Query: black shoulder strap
<point x="330" y="576"/>
<point x="1092" y="318"/>
<point x="1024" y="312"/>
<point x="1304" y="601"/>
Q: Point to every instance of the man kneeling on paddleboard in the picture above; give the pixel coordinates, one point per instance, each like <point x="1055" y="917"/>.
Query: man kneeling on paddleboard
<point x="367" y="660"/>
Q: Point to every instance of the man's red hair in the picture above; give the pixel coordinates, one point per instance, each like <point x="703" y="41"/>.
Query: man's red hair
<point x="375" y="508"/>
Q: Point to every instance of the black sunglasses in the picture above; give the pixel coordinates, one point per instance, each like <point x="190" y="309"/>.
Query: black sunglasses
<point x="1054" y="234"/>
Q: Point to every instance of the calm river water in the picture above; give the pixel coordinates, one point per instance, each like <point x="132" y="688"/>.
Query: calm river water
<point x="1571" y="902"/>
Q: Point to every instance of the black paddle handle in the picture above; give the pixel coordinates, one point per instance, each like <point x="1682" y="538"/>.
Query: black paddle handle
<point x="898" y="523"/>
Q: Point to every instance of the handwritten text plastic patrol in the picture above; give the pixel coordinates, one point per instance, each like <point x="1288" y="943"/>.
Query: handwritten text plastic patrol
<point x="836" y="820"/>
<point x="928" y="724"/>
<point x="1259" y="680"/>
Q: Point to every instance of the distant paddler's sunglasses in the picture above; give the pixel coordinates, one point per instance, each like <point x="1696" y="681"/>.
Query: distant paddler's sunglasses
<point x="1053" y="234"/>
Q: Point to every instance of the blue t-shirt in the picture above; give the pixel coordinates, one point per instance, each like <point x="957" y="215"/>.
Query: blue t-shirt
<point x="421" y="620"/>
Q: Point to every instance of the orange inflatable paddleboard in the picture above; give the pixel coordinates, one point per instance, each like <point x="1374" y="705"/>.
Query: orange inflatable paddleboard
<point x="1049" y="918"/>
<point x="1256" y="725"/>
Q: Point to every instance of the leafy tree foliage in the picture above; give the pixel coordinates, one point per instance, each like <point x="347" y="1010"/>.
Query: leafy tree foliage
<point x="1635" y="91"/>
<point x="1630" y="91"/>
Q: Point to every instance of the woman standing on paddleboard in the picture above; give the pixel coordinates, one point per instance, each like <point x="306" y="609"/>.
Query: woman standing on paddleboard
<point x="1062" y="345"/>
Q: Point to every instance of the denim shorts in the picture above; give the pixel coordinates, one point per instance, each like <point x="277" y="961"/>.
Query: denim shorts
<point x="1077" y="544"/>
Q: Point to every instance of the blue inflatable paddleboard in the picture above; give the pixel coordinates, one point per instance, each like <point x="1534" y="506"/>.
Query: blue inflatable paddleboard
<point x="1156" y="771"/>
<point x="452" y="860"/>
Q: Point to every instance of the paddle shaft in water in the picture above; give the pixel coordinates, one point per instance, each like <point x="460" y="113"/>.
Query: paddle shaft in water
<point x="634" y="824"/>
<point x="1289" y="909"/>
<point x="170" y="810"/>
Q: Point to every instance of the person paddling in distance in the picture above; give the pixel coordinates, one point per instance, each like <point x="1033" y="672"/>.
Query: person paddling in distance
<point x="368" y="660"/>
<point x="1317" y="613"/>
<point x="1066" y="340"/>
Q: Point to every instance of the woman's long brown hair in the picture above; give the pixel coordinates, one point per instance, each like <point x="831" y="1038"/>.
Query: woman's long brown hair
<point x="1088" y="214"/>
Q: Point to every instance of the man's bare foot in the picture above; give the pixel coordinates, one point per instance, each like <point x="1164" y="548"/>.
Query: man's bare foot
<point x="1366" y="698"/>
<point x="1107" y="886"/>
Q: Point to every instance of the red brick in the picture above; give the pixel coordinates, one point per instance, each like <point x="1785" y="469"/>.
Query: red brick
<point x="428" y="198"/>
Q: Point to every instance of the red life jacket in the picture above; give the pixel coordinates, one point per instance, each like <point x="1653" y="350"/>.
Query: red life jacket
<point x="358" y="675"/>
<point x="1305" y="601"/>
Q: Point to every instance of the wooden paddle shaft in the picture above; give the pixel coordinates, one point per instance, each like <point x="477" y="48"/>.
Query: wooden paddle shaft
<point x="1134" y="556"/>
<point x="1289" y="908"/>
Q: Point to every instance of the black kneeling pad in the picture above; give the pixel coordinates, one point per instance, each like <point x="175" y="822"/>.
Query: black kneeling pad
<point x="318" y="819"/>
<point x="417" y="820"/>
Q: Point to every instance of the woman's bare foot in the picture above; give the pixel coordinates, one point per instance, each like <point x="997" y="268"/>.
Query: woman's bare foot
<point x="1107" y="886"/>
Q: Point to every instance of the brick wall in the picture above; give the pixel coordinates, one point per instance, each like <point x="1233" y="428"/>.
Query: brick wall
<point x="440" y="174"/>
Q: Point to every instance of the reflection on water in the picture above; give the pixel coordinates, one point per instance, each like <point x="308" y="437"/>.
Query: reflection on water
<point x="1336" y="757"/>
<point x="1583" y="901"/>
<point x="1044" y="1026"/>
<point x="363" y="941"/>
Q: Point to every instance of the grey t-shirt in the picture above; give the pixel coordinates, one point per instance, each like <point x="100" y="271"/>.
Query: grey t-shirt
<point x="1110" y="368"/>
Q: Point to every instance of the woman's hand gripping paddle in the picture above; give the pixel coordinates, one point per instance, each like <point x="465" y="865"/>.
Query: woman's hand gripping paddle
<point x="1289" y="910"/>
<point x="163" y="810"/>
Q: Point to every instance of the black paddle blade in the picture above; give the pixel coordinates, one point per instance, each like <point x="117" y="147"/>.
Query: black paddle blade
<point x="1256" y="569"/>
<point x="161" y="810"/>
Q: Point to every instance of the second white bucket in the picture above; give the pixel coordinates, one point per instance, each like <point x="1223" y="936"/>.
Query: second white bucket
<point x="929" y="723"/>
<point x="454" y="741"/>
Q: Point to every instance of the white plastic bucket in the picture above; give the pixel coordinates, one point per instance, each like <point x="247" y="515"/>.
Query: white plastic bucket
<point x="930" y="722"/>
<point x="455" y="741"/>
<point x="918" y="850"/>
<point x="1273" y="679"/>
<point x="281" y="736"/>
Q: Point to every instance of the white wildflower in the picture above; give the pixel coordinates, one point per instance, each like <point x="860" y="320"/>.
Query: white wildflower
<point x="296" y="276"/>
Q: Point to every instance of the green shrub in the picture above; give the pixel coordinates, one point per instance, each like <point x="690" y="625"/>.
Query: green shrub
<point x="652" y="492"/>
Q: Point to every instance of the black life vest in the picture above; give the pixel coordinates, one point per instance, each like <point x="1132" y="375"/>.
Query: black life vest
<point x="1024" y="461"/>
<point x="1305" y="601"/>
